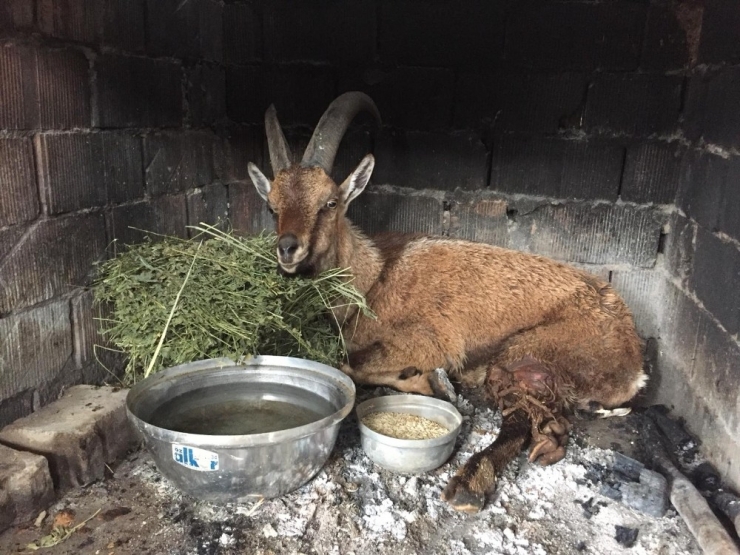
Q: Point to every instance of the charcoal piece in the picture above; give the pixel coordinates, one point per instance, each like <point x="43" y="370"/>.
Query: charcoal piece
<point x="590" y="508"/>
<point x="626" y="536"/>
<point x="705" y="477"/>
<point x="679" y="440"/>
<point x="728" y="504"/>
<point x="627" y="466"/>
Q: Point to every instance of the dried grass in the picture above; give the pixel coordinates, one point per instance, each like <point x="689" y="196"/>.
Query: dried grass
<point x="216" y="295"/>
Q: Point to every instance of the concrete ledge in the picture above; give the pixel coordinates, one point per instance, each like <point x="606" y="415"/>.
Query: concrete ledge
<point x="25" y="486"/>
<point x="77" y="434"/>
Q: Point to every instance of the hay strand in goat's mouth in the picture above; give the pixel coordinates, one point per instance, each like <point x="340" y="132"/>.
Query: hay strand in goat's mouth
<point x="217" y="295"/>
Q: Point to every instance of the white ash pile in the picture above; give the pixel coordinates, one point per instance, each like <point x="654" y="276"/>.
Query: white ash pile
<point x="354" y="506"/>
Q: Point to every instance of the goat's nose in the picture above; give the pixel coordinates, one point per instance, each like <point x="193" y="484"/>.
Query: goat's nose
<point x="287" y="244"/>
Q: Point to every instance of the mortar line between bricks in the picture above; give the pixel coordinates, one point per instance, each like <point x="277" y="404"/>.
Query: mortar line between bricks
<point x="621" y="172"/>
<point x="38" y="173"/>
<point x="514" y="197"/>
<point x="94" y="97"/>
<point x="74" y="336"/>
<point x="51" y="43"/>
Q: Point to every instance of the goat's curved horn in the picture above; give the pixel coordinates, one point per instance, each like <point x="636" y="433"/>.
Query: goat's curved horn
<point x="280" y="156"/>
<point x="322" y="149"/>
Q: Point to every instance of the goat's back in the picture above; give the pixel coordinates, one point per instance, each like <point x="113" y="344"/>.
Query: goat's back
<point x="470" y="283"/>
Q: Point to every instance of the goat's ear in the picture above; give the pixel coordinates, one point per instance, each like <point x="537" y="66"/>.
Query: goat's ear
<point x="358" y="179"/>
<point x="261" y="183"/>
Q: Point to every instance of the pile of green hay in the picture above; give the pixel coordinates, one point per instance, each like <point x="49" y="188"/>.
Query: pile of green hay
<point x="216" y="295"/>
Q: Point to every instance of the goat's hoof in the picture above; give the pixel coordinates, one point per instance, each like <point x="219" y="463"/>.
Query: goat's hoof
<point x="461" y="498"/>
<point x="441" y="386"/>
<point x="552" y="457"/>
<point x="545" y="445"/>
<point x="607" y="413"/>
<point x="549" y="448"/>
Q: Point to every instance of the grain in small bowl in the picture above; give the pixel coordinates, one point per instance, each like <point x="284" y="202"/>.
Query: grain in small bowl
<point x="408" y="433"/>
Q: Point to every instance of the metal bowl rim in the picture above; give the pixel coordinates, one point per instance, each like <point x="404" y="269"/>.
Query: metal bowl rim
<point x="411" y="399"/>
<point x="342" y="381"/>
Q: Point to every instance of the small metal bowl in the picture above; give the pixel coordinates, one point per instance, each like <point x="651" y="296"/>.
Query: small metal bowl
<point x="410" y="455"/>
<point x="239" y="468"/>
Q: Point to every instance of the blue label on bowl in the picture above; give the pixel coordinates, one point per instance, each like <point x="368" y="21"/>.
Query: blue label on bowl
<point x="197" y="459"/>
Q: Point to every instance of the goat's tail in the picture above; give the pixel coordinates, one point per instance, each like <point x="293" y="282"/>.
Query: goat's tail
<point x="467" y="490"/>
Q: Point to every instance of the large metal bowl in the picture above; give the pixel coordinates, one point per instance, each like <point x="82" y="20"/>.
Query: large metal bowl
<point x="410" y="455"/>
<point x="238" y="468"/>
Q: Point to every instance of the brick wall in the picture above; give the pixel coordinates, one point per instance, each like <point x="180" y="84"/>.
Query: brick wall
<point x="112" y="119"/>
<point x="604" y="134"/>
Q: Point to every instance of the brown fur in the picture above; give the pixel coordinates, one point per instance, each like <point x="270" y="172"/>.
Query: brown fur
<point x="468" y="307"/>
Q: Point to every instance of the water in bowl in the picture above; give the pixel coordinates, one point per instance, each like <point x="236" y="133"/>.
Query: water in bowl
<point x="240" y="409"/>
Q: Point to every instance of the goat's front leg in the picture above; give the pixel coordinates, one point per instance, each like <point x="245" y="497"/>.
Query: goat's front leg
<point x="376" y="364"/>
<point x="409" y="380"/>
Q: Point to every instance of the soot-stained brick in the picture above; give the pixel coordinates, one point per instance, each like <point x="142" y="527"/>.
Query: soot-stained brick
<point x="43" y="88"/>
<point x="429" y="33"/>
<point x="720" y="32"/>
<point x="327" y="30"/>
<point x="666" y="45"/>
<point x="716" y="278"/>
<point x="84" y="170"/>
<point x="556" y="167"/>
<point x="36" y="348"/>
<point x="708" y="190"/>
<point x="165" y="215"/>
<point x="431" y="160"/>
<point x="636" y="104"/>
<point x="713" y="108"/>
<point x="376" y="211"/>
<point x="591" y="234"/>
<point x="16" y="15"/>
<point x="575" y="36"/>
<point x="483" y="220"/>
<point x="206" y="94"/>
<point x="49" y="258"/>
<point x="679" y="247"/>
<point x="117" y="23"/>
<point x="247" y="210"/>
<point x="138" y="92"/>
<point x="210" y="205"/>
<point x="190" y="29"/>
<point x="300" y="93"/>
<point x="242" y="33"/>
<point x="651" y="173"/>
<point x="409" y="97"/>
<point x="520" y="102"/>
<point x="18" y="196"/>
<point x="178" y="161"/>
<point x="240" y="145"/>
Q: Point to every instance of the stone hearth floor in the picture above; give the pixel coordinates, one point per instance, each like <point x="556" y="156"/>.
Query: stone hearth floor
<point x="354" y="507"/>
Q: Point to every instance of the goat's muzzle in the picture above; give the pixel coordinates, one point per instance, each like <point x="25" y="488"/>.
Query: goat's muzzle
<point x="290" y="253"/>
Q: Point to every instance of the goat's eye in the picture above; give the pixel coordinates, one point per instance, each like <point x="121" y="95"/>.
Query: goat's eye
<point x="331" y="204"/>
<point x="270" y="210"/>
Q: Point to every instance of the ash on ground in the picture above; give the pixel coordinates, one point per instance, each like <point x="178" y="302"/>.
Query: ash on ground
<point x="354" y="507"/>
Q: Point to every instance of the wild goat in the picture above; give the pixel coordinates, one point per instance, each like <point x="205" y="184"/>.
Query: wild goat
<point x="545" y="337"/>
